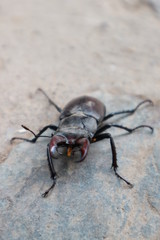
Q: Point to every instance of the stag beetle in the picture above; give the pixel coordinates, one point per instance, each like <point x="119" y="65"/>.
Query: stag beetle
<point x="81" y="123"/>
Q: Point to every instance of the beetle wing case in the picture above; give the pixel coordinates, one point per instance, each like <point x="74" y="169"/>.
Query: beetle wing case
<point x="89" y="106"/>
<point x="81" y="116"/>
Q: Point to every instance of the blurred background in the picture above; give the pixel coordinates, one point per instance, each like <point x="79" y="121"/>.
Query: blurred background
<point x="71" y="48"/>
<point x="107" y="49"/>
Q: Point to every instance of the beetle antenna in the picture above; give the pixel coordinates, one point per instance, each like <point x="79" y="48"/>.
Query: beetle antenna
<point x="26" y="128"/>
<point x="34" y="133"/>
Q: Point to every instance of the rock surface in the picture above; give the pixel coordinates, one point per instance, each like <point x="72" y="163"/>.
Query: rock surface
<point x="106" y="49"/>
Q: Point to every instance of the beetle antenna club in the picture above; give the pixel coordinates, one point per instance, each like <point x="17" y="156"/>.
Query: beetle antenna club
<point x="81" y="123"/>
<point x="26" y="128"/>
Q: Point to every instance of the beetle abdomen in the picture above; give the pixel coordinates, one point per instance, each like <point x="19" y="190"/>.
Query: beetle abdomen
<point x="89" y="106"/>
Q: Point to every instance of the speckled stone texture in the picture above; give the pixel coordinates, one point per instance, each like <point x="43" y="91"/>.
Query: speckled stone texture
<point x="105" y="49"/>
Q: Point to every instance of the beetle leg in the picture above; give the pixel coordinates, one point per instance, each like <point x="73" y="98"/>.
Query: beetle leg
<point x="130" y="130"/>
<point x="50" y="101"/>
<point x="127" y="111"/>
<point x="52" y="171"/>
<point x="33" y="140"/>
<point x="114" y="154"/>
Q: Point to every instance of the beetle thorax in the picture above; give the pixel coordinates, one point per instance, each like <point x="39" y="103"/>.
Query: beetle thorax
<point x="80" y="125"/>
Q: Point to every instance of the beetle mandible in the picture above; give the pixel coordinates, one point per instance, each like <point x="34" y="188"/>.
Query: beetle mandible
<point x="81" y="123"/>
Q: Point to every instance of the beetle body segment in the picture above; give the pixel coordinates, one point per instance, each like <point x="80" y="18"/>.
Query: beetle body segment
<point x="89" y="106"/>
<point x="82" y="116"/>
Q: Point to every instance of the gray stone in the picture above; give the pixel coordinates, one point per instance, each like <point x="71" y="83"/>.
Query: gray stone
<point x="88" y="201"/>
<point x="154" y="4"/>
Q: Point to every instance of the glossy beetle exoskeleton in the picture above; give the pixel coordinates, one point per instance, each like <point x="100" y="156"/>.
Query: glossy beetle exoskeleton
<point x="81" y="123"/>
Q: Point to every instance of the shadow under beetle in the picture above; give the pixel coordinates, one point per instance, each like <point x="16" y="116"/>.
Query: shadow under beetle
<point x="81" y="123"/>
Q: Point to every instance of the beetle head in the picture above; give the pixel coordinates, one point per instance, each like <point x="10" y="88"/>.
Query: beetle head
<point x="70" y="141"/>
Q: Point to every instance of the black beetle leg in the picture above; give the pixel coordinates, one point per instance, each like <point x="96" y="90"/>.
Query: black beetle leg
<point x="130" y="130"/>
<point x="52" y="172"/>
<point x="127" y="111"/>
<point x="114" y="154"/>
<point x="50" y="101"/>
<point x="33" y="140"/>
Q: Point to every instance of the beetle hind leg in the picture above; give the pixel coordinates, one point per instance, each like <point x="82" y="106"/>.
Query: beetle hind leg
<point x="115" y="171"/>
<point x="128" y="111"/>
<point x="129" y="130"/>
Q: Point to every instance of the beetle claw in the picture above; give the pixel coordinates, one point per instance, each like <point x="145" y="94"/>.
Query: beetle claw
<point x="84" y="143"/>
<point x="54" y="144"/>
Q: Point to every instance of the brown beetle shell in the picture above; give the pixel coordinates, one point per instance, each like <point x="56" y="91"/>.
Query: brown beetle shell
<point x="86" y="105"/>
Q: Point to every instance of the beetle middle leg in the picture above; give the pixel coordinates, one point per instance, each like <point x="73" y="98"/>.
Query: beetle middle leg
<point x="130" y="130"/>
<point x="33" y="140"/>
<point x="127" y="111"/>
<point x="114" y="154"/>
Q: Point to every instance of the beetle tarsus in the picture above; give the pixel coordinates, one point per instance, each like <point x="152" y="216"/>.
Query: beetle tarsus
<point x="130" y="130"/>
<point x="127" y="111"/>
<point x="23" y="139"/>
<point x="45" y="194"/>
<point x="115" y="171"/>
<point x="143" y="126"/>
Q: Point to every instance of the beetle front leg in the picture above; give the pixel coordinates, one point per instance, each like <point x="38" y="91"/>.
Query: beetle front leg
<point x="52" y="172"/>
<point x="114" y="154"/>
